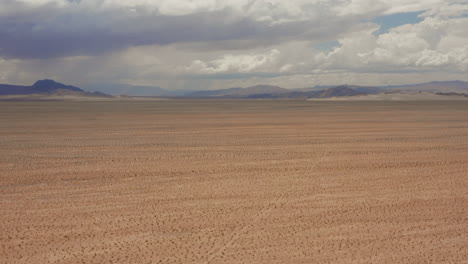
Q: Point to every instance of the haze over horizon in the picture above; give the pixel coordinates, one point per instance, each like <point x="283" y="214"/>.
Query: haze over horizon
<point x="209" y="44"/>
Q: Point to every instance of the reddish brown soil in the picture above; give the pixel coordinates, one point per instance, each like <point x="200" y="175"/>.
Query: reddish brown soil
<point x="233" y="182"/>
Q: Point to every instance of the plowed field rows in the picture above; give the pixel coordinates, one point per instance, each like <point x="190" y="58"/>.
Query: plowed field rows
<point x="233" y="182"/>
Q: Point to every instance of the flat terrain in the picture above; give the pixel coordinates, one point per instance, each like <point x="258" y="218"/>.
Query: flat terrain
<point x="233" y="182"/>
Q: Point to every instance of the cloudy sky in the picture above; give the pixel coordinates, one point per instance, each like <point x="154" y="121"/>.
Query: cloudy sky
<point x="210" y="44"/>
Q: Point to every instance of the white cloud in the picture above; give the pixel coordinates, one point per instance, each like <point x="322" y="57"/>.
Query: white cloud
<point x="261" y="10"/>
<point x="431" y="43"/>
<point x="147" y="41"/>
<point x="236" y="63"/>
<point x="361" y="7"/>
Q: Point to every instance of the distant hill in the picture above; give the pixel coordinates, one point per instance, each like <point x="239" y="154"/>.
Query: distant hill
<point x="8" y="89"/>
<point x="453" y="94"/>
<point x="134" y="90"/>
<point x="442" y="87"/>
<point x="241" y="92"/>
<point x="267" y="91"/>
<point x="357" y="88"/>
<point x="342" y="90"/>
<point x="458" y="87"/>
<point x="400" y="96"/>
<point x="49" y="87"/>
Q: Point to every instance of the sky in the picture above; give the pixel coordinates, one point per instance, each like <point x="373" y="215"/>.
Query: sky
<point x="213" y="44"/>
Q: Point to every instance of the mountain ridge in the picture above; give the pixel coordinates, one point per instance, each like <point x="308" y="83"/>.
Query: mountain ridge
<point x="47" y="86"/>
<point x="240" y="92"/>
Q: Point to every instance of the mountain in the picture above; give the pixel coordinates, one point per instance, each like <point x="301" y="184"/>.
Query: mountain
<point x="267" y="91"/>
<point x="342" y="90"/>
<point x="400" y="96"/>
<point x="47" y="87"/>
<point x="442" y="87"/>
<point x="8" y="89"/>
<point x="450" y="87"/>
<point x="357" y="88"/>
<point x="367" y="89"/>
<point x="50" y="86"/>
<point x="453" y="94"/>
<point x="134" y="90"/>
<point x="241" y="92"/>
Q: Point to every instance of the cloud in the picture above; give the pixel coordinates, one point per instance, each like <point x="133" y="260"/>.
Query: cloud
<point x="53" y="28"/>
<point x="433" y="42"/>
<point x="236" y="63"/>
<point x="60" y="28"/>
<point x="172" y="43"/>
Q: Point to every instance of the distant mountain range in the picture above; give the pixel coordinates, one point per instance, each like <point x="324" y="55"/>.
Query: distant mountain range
<point x="50" y="87"/>
<point x="241" y="92"/>
<point x="444" y="87"/>
<point x="267" y="91"/>
<point x="46" y="87"/>
<point x="134" y="90"/>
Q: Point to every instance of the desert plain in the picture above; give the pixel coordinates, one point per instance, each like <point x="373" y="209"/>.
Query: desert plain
<point x="233" y="181"/>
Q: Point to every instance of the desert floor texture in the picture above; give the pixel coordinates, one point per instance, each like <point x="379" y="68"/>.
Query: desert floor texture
<point x="233" y="181"/>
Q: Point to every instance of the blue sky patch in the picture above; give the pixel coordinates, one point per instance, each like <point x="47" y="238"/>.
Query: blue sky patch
<point x="327" y="46"/>
<point x="395" y="20"/>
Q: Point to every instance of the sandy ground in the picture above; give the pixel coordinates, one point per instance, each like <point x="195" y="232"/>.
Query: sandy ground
<point x="233" y="182"/>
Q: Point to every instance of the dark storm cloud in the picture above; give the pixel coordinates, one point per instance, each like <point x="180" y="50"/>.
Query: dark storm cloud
<point x="51" y="31"/>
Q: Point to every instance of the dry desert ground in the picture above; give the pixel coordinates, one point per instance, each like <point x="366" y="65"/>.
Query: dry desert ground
<point x="233" y="181"/>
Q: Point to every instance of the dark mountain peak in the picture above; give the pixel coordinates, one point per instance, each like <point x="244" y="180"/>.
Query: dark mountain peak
<point x="342" y="90"/>
<point x="47" y="85"/>
<point x="45" y="82"/>
<point x="340" y="87"/>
